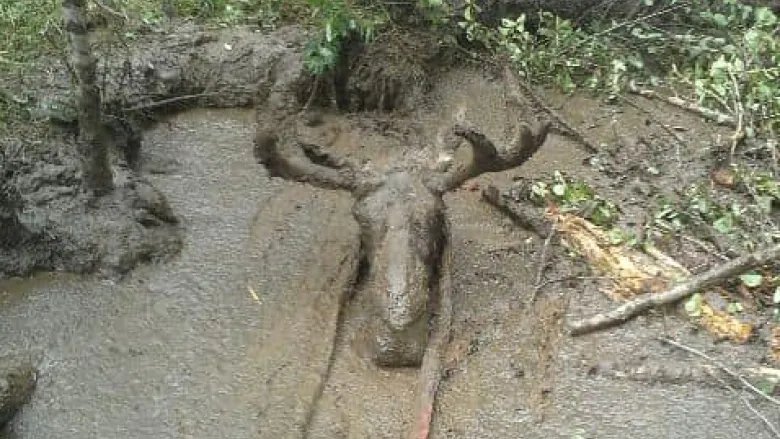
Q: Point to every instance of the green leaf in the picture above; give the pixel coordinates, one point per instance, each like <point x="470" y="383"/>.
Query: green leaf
<point x="765" y="17"/>
<point x="616" y="236"/>
<point x="720" y="20"/>
<point x="734" y="308"/>
<point x="764" y="203"/>
<point x="329" y="32"/>
<point x="724" y="224"/>
<point x="751" y="280"/>
<point x="693" y="305"/>
<point x="766" y="386"/>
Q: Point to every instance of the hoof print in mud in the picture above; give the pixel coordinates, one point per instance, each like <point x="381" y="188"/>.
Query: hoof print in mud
<point x="401" y="215"/>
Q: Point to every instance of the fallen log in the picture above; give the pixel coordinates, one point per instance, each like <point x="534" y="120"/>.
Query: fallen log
<point x="17" y="383"/>
<point x="681" y="291"/>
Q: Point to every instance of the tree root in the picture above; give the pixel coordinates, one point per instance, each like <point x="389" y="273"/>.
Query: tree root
<point x="633" y="308"/>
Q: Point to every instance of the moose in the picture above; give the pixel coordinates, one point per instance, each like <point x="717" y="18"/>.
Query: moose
<point x="404" y="231"/>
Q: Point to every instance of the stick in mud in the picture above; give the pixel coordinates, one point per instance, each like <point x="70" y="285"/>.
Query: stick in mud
<point x="431" y="371"/>
<point x="633" y="308"/>
<point x="706" y="113"/>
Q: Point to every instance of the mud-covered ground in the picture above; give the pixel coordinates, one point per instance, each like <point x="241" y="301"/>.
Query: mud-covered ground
<point x="238" y="334"/>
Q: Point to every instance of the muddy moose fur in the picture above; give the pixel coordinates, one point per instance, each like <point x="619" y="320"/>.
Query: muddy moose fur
<point x="401" y="213"/>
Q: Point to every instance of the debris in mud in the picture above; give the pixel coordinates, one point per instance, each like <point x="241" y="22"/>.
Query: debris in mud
<point x="59" y="227"/>
<point x="523" y="214"/>
<point x="17" y="383"/>
<point x="647" y="274"/>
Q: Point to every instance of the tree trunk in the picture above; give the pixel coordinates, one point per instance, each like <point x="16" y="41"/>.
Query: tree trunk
<point x="93" y="141"/>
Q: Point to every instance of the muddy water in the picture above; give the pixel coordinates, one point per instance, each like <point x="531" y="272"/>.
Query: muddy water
<point x="236" y="338"/>
<point x="173" y="350"/>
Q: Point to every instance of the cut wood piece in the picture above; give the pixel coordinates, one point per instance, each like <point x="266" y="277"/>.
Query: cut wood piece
<point x="650" y="276"/>
<point x="631" y="271"/>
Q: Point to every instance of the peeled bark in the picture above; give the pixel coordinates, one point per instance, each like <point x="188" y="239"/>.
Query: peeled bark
<point x="94" y="144"/>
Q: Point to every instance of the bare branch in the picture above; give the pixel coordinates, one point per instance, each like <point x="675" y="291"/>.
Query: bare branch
<point x="631" y="309"/>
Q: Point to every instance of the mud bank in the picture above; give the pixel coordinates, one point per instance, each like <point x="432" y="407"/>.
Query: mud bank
<point x="49" y="223"/>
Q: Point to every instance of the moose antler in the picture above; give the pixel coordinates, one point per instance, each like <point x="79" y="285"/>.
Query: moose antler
<point x="286" y="157"/>
<point x="486" y="156"/>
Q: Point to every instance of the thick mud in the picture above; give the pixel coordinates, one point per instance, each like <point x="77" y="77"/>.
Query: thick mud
<point x="252" y="330"/>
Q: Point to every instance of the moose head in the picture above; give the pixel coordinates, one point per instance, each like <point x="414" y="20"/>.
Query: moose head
<point x="401" y="215"/>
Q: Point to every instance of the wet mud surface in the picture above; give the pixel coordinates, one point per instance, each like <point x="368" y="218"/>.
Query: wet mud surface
<point x="251" y="331"/>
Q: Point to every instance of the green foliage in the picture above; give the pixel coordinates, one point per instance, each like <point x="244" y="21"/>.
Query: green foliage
<point x="699" y="206"/>
<point x="725" y="52"/>
<point x="745" y="217"/>
<point x="24" y="24"/>
<point x="338" y="21"/>
<point x="574" y="196"/>
<point x="693" y="305"/>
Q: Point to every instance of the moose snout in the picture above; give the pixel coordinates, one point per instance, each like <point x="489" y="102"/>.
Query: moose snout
<point x="402" y="331"/>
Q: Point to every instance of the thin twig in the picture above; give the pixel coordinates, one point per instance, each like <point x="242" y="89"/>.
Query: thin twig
<point x="169" y="101"/>
<point x="739" y="132"/>
<point x="706" y="113"/>
<point x="108" y="9"/>
<point x="569" y="278"/>
<point x="752" y="409"/>
<point x="722" y="367"/>
<point x="620" y="25"/>
<point x="314" y="90"/>
<point x="748" y="404"/>
<point x="542" y="265"/>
